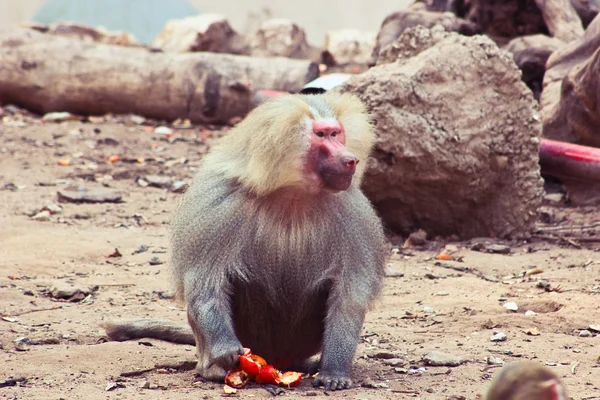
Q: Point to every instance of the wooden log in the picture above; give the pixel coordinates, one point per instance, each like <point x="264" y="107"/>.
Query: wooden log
<point x="561" y="19"/>
<point x="45" y="73"/>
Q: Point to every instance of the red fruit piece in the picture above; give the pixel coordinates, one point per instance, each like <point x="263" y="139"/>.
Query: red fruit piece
<point x="251" y="364"/>
<point x="237" y="379"/>
<point x="268" y="374"/>
<point x="290" y="379"/>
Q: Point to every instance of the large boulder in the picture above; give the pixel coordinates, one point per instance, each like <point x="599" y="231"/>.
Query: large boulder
<point x="348" y="49"/>
<point x="280" y="38"/>
<point x="204" y="32"/>
<point x="396" y="23"/>
<point x="458" y="138"/>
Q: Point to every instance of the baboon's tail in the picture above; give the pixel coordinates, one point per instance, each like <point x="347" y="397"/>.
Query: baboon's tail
<point x="151" y="329"/>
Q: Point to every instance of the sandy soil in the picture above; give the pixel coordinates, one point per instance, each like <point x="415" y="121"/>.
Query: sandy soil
<point x="451" y="306"/>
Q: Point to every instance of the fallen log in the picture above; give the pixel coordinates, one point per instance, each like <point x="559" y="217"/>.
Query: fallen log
<point x="45" y="73"/>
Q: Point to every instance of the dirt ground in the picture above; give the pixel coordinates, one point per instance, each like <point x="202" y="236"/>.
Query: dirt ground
<point x="55" y="347"/>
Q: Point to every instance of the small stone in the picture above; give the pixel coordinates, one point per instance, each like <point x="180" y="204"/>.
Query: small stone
<point x="88" y="195"/>
<point x="428" y="310"/>
<point x="53" y="208"/>
<point x="42" y="216"/>
<point x="442" y="294"/>
<point x="163" y="130"/>
<point x="438" y="358"/>
<point x="494" y="361"/>
<point x="370" y="383"/>
<point x="137" y="119"/>
<point x="416" y="371"/>
<point x="394" y="362"/>
<point x="162" y="182"/>
<point x="530" y="313"/>
<point x="511" y="306"/>
<point x="499" y="337"/>
<point x="63" y="290"/>
<point x="595" y="328"/>
<point x="156" y="261"/>
<point x="585" y="333"/>
<point x="179" y="187"/>
<point x="384" y="355"/>
<point x="59" y="116"/>
<point x="401" y="370"/>
<point x="498" y="249"/>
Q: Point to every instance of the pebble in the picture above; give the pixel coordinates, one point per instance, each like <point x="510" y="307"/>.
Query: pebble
<point x="370" y="383"/>
<point x="494" y="361"/>
<point x="64" y="290"/>
<point x="530" y="313"/>
<point x="42" y="216"/>
<point x="499" y="337"/>
<point x="585" y="333"/>
<point x="179" y="187"/>
<point x="163" y="130"/>
<point x="83" y="194"/>
<point x="498" y="249"/>
<point x="510" y="305"/>
<point x="162" y="182"/>
<point x="394" y="362"/>
<point x="384" y="355"/>
<point x="438" y="358"/>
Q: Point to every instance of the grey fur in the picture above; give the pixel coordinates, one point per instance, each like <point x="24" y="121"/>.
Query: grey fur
<point x="288" y="276"/>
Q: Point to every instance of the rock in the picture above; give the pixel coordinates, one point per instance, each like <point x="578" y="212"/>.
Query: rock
<point x="396" y="23"/>
<point x="499" y="337"/>
<point x="42" y="216"/>
<point x="511" y="306"/>
<point x="162" y="182"/>
<point x="395" y="362"/>
<point x="64" y="290"/>
<point x="530" y="54"/>
<point x="498" y="249"/>
<point x="88" y="195"/>
<point x="585" y="333"/>
<point x="204" y="32"/>
<point x="505" y="20"/>
<point x="348" y="47"/>
<point x="179" y="187"/>
<point x="494" y="361"/>
<point x="440" y="359"/>
<point x="384" y="355"/>
<point x="52" y="208"/>
<point x="370" y="383"/>
<point x="280" y="38"/>
<point x="446" y="162"/>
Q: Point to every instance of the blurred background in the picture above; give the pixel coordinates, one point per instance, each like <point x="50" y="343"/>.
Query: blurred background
<point x="145" y="18"/>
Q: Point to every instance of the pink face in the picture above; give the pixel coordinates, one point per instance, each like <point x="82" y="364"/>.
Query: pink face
<point x="328" y="157"/>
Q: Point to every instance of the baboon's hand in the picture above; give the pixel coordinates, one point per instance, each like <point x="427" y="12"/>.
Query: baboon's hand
<point x="333" y="381"/>
<point x="226" y="355"/>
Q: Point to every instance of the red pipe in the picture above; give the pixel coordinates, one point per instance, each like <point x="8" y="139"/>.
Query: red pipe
<point x="568" y="160"/>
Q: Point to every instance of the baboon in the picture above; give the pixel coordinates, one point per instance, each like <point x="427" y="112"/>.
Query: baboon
<point x="526" y="380"/>
<point x="274" y="246"/>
